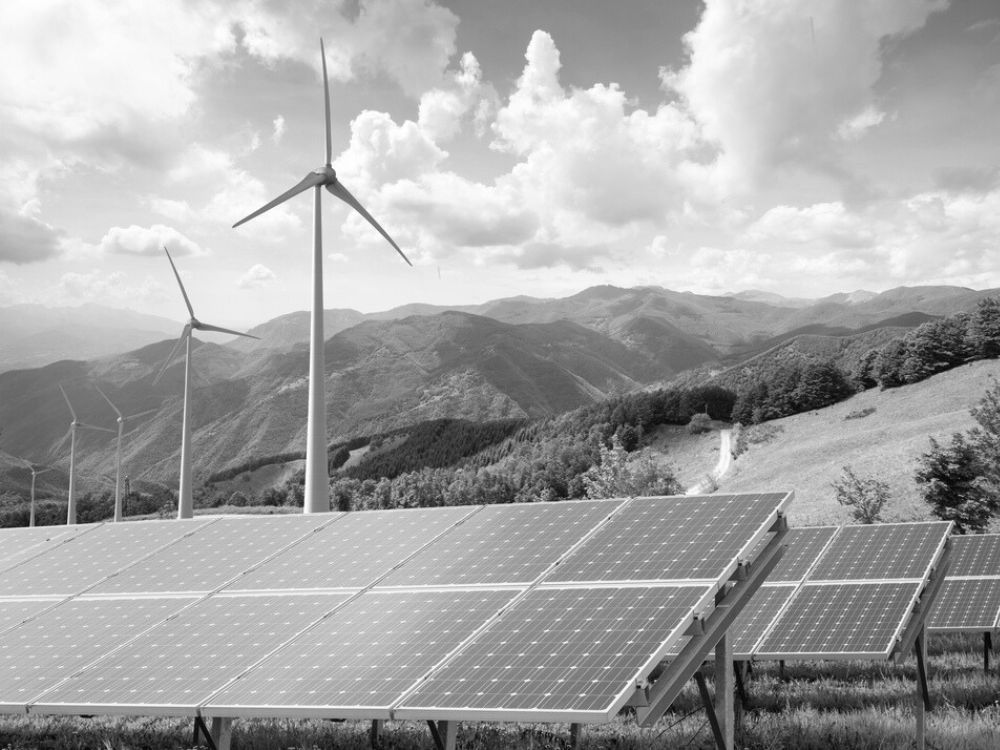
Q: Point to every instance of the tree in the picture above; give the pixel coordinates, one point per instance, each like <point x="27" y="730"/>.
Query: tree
<point x="955" y="484"/>
<point x="865" y="496"/>
<point x="983" y="331"/>
<point x="699" y="424"/>
<point x="616" y="476"/>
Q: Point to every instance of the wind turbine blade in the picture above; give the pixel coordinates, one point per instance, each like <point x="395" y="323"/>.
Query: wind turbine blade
<point x="173" y="353"/>
<point x="209" y="327"/>
<point x="180" y="283"/>
<point x="140" y="414"/>
<point x="63" y="391"/>
<point x="310" y="180"/>
<point x="108" y="400"/>
<point x="326" y="100"/>
<point x="341" y="192"/>
<point x="94" y="427"/>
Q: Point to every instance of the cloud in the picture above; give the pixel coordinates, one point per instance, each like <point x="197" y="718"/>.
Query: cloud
<point x="135" y="240"/>
<point x="105" y="288"/>
<point x="24" y="238"/>
<point x="962" y="179"/>
<point x="257" y="276"/>
<point x="279" y="129"/>
<point x="855" y="127"/>
<point x="823" y="224"/>
<point x="771" y="83"/>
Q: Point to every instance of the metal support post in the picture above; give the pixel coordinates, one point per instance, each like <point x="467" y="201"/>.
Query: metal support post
<point x="200" y="728"/>
<point x="574" y="735"/>
<point x="741" y="672"/>
<point x="444" y="734"/>
<point x="725" y="694"/>
<point x="713" y="720"/>
<point x="923" y="698"/>
<point x="376" y="732"/>
<point x="222" y="732"/>
<point x="987" y="646"/>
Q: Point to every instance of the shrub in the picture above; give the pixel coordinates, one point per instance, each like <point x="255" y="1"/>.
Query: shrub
<point x="861" y="413"/>
<point x="700" y="423"/>
<point x="866" y="497"/>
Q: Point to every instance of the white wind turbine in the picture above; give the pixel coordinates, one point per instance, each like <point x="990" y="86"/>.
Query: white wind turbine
<point x="71" y="504"/>
<point x="34" y="473"/>
<point x="317" y="498"/>
<point x="185" y="502"/>
<point x="118" y="452"/>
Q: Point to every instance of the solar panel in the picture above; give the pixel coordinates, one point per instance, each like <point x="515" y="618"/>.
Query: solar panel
<point x="763" y="608"/>
<point x="672" y="539"/>
<point x="14" y="611"/>
<point x="880" y="552"/>
<point x="846" y="620"/>
<point x="22" y="542"/>
<point x="171" y="668"/>
<point x="88" y="558"/>
<point x="974" y="555"/>
<point x="212" y="555"/>
<point x="360" y="660"/>
<point x="504" y="544"/>
<point x="804" y="547"/>
<point x="353" y="552"/>
<point x="560" y="654"/>
<point x="966" y="604"/>
<point x="43" y="651"/>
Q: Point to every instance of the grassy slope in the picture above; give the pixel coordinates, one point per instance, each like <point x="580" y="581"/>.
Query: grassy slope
<point x="808" y="453"/>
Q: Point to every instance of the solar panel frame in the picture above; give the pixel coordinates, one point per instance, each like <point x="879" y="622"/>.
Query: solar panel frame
<point x="843" y="557"/>
<point x="974" y="555"/>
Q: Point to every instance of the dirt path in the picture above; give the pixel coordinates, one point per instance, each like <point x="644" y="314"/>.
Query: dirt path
<point x="724" y="464"/>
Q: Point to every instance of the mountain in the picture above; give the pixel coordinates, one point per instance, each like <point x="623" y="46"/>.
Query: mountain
<point x="35" y="335"/>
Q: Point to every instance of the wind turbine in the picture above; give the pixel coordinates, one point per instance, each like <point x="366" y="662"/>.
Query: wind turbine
<point x="317" y="498"/>
<point x="34" y="473"/>
<point x="118" y="452"/>
<point x="71" y="504"/>
<point x="185" y="502"/>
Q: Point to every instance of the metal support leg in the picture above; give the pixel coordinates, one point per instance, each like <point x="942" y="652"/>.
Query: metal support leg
<point x="781" y="670"/>
<point x="574" y="735"/>
<point x="200" y="728"/>
<point x="741" y="674"/>
<point x="713" y="720"/>
<point x="725" y="691"/>
<point x="444" y="733"/>
<point x="376" y="732"/>
<point x="923" y="698"/>
<point x="987" y="646"/>
<point x="222" y="732"/>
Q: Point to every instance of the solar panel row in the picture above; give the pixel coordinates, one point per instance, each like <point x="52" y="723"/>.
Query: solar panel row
<point x="840" y="592"/>
<point x="969" y="600"/>
<point x="370" y="614"/>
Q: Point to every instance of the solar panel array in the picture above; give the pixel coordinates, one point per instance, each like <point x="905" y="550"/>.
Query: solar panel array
<point x="969" y="599"/>
<point x="840" y="592"/>
<point x="508" y="611"/>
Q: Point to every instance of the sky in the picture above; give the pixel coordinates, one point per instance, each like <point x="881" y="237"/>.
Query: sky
<point x="524" y="147"/>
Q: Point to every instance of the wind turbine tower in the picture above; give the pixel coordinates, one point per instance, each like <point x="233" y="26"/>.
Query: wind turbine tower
<point x="317" y="495"/>
<point x="185" y="496"/>
<point x="71" y="504"/>
<point x="118" y="452"/>
<point x="34" y="473"/>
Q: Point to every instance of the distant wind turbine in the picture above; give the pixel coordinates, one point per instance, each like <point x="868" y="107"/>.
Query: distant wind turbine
<point x="317" y="498"/>
<point x="34" y="473"/>
<point x="185" y="502"/>
<point x="118" y="452"/>
<point x="71" y="504"/>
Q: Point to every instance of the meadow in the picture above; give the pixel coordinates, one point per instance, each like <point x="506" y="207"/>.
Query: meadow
<point x="812" y="706"/>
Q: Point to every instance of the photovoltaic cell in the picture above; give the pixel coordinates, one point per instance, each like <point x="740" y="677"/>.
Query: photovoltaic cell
<point x="857" y="620"/>
<point x="176" y="665"/>
<point x="363" y="657"/>
<point x="504" y="544"/>
<point x="15" y="611"/>
<point x="664" y="539"/>
<point x="966" y="604"/>
<point x="880" y="552"/>
<point x="212" y="555"/>
<point x="41" y="652"/>
<point x="19" y="543"/>
<point x="974" y="555"/>
<point x="88" y="558"/>
<point x="353" y="551"/>
<point x="560" y="652"/>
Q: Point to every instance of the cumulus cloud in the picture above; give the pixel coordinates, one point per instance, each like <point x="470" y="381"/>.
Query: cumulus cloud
<point x="771" y="83"/>
<point x="828" y="224"/>
<point x="99" y="286"/>
<point x="278" y="131"/>
<point x="148" y="241"/>
<point x="24" y="238"/>
<point x="257" y="276"/>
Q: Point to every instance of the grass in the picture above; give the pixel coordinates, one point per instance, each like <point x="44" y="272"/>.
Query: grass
<point x="817" y="706"/>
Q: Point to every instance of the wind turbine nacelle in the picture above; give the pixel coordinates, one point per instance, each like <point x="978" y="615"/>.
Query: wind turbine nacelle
<point x="328" y="172"/>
